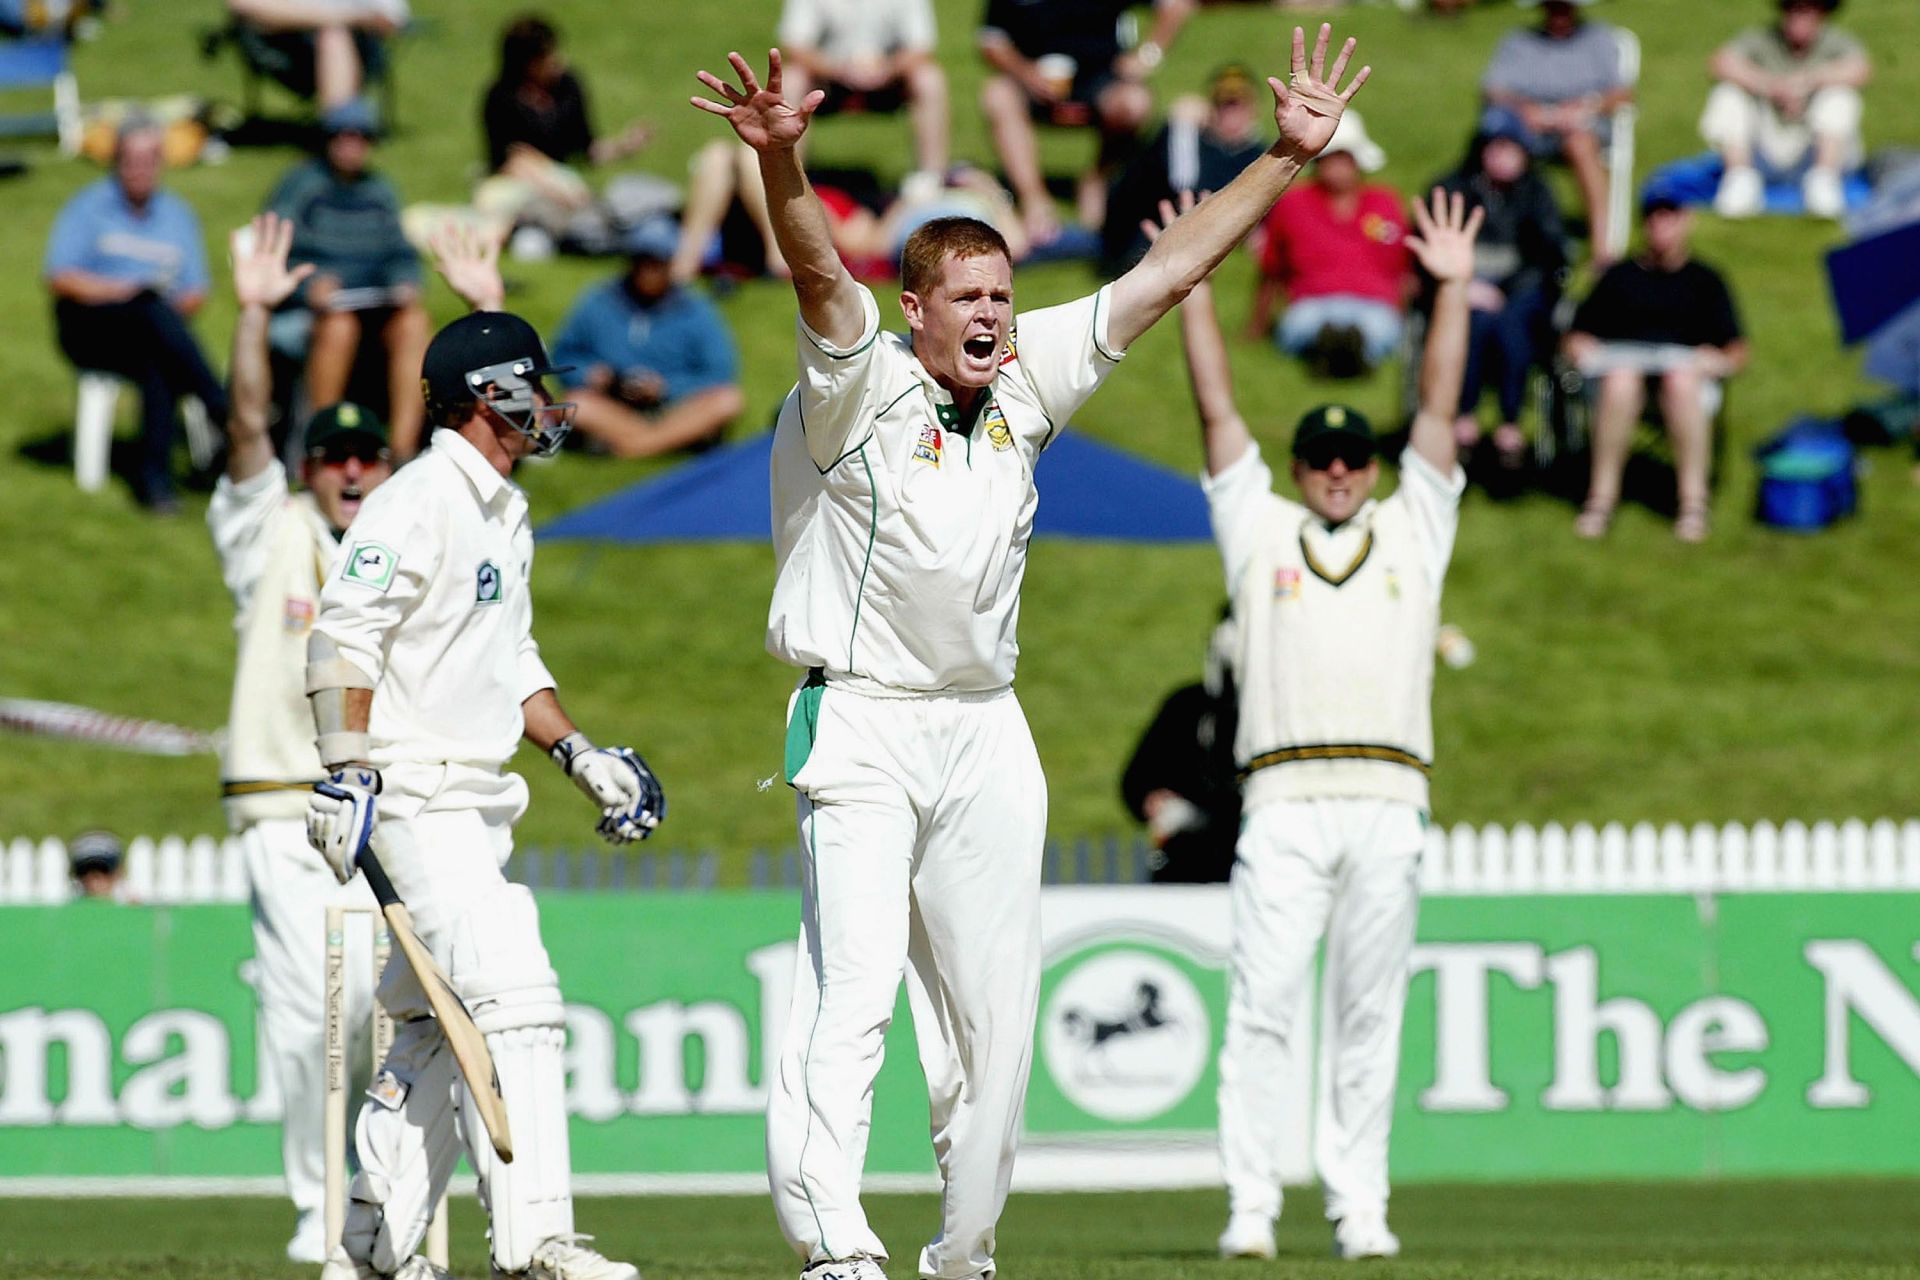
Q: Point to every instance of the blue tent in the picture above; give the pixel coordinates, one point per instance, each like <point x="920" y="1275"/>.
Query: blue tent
<point x="1087" y="490"/>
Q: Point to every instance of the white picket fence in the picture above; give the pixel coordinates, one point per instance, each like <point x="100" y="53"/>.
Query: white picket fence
<point x="1850" y="856"/>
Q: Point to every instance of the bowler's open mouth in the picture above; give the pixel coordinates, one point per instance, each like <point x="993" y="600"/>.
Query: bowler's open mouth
<point x="981" y="346"/>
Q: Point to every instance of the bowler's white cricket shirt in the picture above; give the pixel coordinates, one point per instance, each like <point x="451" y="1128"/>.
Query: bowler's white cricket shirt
<point x="431" y="600"/>
<point x="901" y="531"/>
<point x="1335" y="632"/>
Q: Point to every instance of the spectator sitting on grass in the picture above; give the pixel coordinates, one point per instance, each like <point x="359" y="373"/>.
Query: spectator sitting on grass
<point x="870" y="55"/>
<point x="127" y="270"/>
<point x="346" y="222"/>
<point x="1664" y="323"/>
<point x="1557" y="84"/>
<point x="1787" y="96"/>
<point x="1205" y="144"/>
<point x="538" y="125"/>
<point x="1060" y="62"/>
<point x="1335" y="247"/>
<point x="654" y="367"/>
<point x="1518" y="259"/>
<point x="319" y="49"/>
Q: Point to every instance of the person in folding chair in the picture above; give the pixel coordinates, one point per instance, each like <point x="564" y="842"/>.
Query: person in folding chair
<point x="1663" y="323"/>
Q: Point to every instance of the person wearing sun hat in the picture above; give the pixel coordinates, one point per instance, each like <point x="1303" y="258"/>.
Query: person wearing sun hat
<point x="1335" y="249"/>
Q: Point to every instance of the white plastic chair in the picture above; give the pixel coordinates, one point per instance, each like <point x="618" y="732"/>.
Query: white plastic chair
<point x="93" y="411"/>
<point x="1620" y="148"/>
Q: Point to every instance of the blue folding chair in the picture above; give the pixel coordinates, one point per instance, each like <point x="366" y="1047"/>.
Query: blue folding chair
<point x="41" y="63"/>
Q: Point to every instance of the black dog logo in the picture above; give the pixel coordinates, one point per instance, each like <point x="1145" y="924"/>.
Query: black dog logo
<point x="1095" y="1032"/>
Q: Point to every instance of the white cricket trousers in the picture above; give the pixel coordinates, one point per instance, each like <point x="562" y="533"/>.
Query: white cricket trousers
<point x="1347" y="869"/>
<point x="291" y="888"/>
<point x="921" y="821"/>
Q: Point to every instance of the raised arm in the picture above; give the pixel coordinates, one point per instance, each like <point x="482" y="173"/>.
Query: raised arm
<point x="1443" y="241"/>
<point x="1224" y="435"/>
<point x="1307" y="109"/>
<point x="261" y="281"/>
<point x="468" y="259"/>
<point x="765" y="121"/>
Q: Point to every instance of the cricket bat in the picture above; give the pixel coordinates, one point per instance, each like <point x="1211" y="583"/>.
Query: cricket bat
<point x="456" y="1024"/>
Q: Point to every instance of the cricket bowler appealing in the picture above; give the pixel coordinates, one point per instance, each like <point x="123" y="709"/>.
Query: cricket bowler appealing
<point x="903" y="500"/>
<point x="1337" y="599"/>
<point x="424" y="676"/>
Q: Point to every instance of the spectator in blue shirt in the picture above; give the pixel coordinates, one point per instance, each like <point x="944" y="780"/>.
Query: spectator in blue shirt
<point x="126" y="268"/>
<point x="366" y="282"/>
<point x="654" y="366"/>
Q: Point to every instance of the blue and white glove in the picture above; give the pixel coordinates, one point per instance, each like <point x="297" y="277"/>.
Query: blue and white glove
<point x="340" y="817"/>
<point x="618" y="781"/>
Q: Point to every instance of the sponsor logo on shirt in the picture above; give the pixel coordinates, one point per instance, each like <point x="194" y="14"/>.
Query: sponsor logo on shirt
<point x="299" y="615"/>
<point x="928" y="450"/>
<point x="372" y="564"/>
<point x="1286" y="584"/>
<point x="1012" y="352"/>
<point x="486" y="583"/>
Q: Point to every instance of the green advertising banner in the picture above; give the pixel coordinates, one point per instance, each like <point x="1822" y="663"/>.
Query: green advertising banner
<point x="1546" y="1036"/>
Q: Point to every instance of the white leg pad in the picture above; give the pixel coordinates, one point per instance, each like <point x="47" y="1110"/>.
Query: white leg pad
<point x="500" y="966"/>
<point x="531" y="1200"/>
<point x="409" y="1141"/>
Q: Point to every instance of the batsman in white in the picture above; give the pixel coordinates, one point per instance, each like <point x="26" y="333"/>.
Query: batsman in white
<point x="903" y="500"/>
<point x="1337" y="599"/>
<point x="423" y="676"/>
<point x="274" y="548"/>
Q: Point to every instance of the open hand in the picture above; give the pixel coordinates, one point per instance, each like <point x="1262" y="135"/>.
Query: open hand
<point x="1168" y="215"/>
<point x="1443" y="239"/>
<point x="1307" y="108"/>
<point x="764" y="120"/>
<point x="468" y="259"/>
<point x="261" y="277"/>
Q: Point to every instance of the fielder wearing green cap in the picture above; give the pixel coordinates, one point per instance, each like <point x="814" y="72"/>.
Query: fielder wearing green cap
<point x="1336" y="601"/>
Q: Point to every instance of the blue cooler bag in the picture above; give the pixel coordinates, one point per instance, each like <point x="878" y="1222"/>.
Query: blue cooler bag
<point x="1807" y="477"/>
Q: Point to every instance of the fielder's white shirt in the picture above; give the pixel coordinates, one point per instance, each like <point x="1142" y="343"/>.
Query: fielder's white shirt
<point x="1335" y="632"/>
<point x="431" y="600"/>
<point x="901" y="532"/>
<point x="274" y="548"/>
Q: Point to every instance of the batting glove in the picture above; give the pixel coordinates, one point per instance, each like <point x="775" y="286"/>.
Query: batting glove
<point x="618" y="781"/>
<point x="340" y="817"/>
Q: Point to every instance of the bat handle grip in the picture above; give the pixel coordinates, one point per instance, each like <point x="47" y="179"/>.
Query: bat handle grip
<point x="383" y="892"/>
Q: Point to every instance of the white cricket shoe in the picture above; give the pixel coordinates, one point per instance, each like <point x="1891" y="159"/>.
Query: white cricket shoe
<point x="1248" y="1235"/>
<point x="859" y="1267"/>
<point x="1823" y="193"/>
<point x="309" y="1243"/>
<point x="568" y="1258"/>
<point x="1364" y="1235"/>
<point x="340" y="1267"/>
<point x="1741" y="193"/>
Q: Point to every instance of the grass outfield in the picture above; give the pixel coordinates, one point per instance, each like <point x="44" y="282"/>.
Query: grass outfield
<point x="1755" y="1231"/>
<point x="1761" y="676"/>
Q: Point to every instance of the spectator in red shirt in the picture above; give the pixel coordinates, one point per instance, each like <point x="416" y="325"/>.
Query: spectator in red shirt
<point x="1335" y="247"/>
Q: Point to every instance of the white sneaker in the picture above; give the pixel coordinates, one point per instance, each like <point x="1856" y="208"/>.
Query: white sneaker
<point x="309" y="1243"/>
<point x="568" y="1258"/>
<point x="1364" y="1235"/>
<point x="859" y="1267"/>
<point x="1822" y="191"/>
<point x="1248" y="1235"/>
<point x="1741" y="193"/>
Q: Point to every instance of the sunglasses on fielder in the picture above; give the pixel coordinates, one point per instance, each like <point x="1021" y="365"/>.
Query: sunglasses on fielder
<point x="1321" y="455"/>
<point x="365" y="452"/>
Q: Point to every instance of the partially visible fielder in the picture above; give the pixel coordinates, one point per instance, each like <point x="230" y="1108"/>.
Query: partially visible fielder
<point x="274" y="548"/>
<point x="424" y="676"/>
<point x="1337" y="597"/>
<point x="903" y="500"/>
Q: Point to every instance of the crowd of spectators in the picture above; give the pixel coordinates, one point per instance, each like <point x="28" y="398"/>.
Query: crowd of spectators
<point x="1336" y="287"/>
